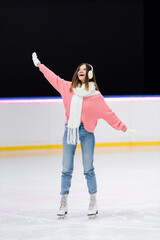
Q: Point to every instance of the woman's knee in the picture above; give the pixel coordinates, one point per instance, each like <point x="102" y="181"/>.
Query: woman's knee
<point x="89" y="172"/>
<point x="67" y="170"/>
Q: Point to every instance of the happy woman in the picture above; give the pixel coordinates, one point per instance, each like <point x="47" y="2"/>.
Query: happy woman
<point x="84" y="105"/>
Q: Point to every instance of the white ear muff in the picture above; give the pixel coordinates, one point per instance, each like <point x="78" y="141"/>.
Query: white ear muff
<point x="90" y="72"/>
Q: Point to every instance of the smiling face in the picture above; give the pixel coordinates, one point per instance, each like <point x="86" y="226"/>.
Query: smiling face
<point x="82" y="73"/>
<point x="80" y="77"/>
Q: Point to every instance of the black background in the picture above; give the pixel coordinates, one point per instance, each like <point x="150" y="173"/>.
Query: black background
<point x="119" y="38"/>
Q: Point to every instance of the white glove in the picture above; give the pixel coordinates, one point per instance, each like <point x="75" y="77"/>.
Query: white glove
<point x="35" y="59"/>
<point x="129" y="130"/>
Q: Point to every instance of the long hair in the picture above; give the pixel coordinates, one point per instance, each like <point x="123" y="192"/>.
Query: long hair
<point x="76" y="81"/>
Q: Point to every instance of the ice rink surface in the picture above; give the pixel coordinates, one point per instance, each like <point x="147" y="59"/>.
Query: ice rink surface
<point x="128" y="196"/>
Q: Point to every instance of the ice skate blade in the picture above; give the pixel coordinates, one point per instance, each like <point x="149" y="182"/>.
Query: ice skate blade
<point x="61" y="216"/>
<point x="90" y="216"/>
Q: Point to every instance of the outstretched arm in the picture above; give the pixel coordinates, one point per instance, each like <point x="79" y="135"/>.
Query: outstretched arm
<point x="110" y="117"/>
<point x="57" y="82"/>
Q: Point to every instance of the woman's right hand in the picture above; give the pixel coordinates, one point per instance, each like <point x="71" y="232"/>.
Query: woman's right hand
<point x="36" y="61"/>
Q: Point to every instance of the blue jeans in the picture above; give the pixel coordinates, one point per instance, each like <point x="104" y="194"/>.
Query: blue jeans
<point x="87" y="141"/>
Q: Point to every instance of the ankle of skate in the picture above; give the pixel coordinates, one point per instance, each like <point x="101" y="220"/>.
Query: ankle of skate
<point x="63" y="206"/>
<point x="93" y="210"/>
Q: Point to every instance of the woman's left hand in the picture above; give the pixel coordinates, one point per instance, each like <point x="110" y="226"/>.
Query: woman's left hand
<point x="129" y="130"/>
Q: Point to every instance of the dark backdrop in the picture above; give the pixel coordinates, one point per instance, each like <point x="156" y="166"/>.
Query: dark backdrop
<point x="116" y="37"/>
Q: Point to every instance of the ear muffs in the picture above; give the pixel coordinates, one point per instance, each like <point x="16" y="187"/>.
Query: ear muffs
<point x="90" y="72"/>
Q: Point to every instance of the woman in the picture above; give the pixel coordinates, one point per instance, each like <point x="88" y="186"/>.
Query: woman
<point x="84" y="105"/>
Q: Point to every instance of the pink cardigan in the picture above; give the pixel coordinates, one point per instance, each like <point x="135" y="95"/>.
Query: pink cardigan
<point x="93" y="107"/>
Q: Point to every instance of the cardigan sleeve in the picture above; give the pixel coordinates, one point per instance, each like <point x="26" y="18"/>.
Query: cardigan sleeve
<point x="109" y="116"/>
<point x="57" y="82"/>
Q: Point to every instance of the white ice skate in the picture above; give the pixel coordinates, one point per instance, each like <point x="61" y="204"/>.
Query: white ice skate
<point x="93" y="210"/>
<point x="63" y="207"/>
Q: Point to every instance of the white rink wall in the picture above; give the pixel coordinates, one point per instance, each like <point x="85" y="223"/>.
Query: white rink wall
<point x="42" y="122"/>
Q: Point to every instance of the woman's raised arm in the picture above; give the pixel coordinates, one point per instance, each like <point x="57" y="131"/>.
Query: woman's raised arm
<point x="58" y="83"/>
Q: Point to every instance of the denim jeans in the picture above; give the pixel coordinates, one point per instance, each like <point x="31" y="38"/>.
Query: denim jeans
<point x="87" y="141"/>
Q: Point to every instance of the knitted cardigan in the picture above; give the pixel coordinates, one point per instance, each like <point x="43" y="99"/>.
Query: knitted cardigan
<point x="93" y="107"/>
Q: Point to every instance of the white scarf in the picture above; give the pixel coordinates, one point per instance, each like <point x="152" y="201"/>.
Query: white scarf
<point x="76" y="109"/>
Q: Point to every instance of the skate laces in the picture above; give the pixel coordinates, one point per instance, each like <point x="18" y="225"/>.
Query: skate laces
<point x="92" y="203"/>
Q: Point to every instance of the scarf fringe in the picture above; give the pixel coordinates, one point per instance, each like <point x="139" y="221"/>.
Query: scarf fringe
<point x="72" y="135"/>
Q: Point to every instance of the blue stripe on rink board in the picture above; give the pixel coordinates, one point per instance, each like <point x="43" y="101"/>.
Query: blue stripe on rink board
<point x="56" y="97"/>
